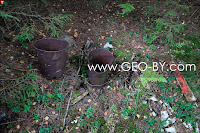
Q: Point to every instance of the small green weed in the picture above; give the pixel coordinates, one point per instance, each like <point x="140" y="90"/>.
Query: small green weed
<point x="186" y="111"/>
<point x="20" y="91"/>
<point x="126" y="8"/>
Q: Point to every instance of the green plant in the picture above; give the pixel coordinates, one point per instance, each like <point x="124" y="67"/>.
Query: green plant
<point x="151" y="76"/>
<point x="36" y="117"/>
<point x="186" y="111"/>
<point x="127" y="126"/>
<point x="56" y="22"/>
<point x="126" y="8"/>
<point x="168" y="27"/>
<point x="27" y="107"/>
<point x="25" y="33"/>
<point x="113" y="108"/>
<point x="25" y="21"/>
<point x="153" y="125"/>
<point x="87" y="120"/>
<point x="20" y="91"/>
<point x="7" y="15"/>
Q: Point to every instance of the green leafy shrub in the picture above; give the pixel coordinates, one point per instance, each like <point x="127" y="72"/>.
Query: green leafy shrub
<point x="20" y="91"/>
<point x="168" y="27"/>
<point x="25" y="33"/>
<point x="26" y="22"/>
<point x="186" y="111"/>
<point x="151" y="76"/>
<point x="56" y="22"/>
<point x="126" y="8"/>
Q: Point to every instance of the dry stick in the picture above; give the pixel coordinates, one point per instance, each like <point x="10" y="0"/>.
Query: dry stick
<point x="81" y="61"/>
<point x="67" y="109"/>
<point x="74" y="101"/>
<point x="12" y="122"/>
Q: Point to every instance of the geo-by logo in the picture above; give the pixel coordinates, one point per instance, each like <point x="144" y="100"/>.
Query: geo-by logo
<point x="2" y="1"/>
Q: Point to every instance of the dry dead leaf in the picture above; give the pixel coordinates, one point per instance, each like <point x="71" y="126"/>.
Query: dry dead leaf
<point x="114" y="88"/>
<point x="53" y="112"/>
<point x="138" y="116"/>
<point x="105" y="114"/>
<point x="89" y="100"/>
<point x="18" y="126"/>
<point x="102" y="37"/>
<point x="21" y="61"/>
<point x="150" y="114"/>
<point x="46" y="118"/>
<point x="33" y="131"/>
<point x="78" y="124"/>
<point x="75" y="34"/>
<point x="95" y="104"/>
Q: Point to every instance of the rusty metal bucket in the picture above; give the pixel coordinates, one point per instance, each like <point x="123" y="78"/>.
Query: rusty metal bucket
<point x="52" y="56"/>
<point x="99" y="56"/>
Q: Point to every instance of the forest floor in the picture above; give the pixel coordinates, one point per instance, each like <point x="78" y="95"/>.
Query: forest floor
<point x="124" y="104"/>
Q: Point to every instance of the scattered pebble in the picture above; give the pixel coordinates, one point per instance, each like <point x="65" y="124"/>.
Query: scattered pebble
<point x="153" y="98"/>
<point x="171" y="130"/>
<point x="187" y="125"/>
<point x="108" y="45"/>
<point x="144" y="102"/>
<point x="154" y="114"/>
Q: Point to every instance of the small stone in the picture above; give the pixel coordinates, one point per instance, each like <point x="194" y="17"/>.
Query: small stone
<point x="154" y="114"/>
<point x="34" y="103"/>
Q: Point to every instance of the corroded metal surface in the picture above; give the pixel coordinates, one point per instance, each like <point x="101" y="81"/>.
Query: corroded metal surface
<point x="52" y="56"/>
<point x="102" y="57"/>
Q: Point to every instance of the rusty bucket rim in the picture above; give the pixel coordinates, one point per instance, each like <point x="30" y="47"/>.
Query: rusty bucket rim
<point x="67" y="45"/>
<point x="99" y="49"/>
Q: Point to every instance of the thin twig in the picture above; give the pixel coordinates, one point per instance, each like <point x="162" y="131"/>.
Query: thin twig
<point x="67" y="109"/>
<point x="12" y="122"/>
